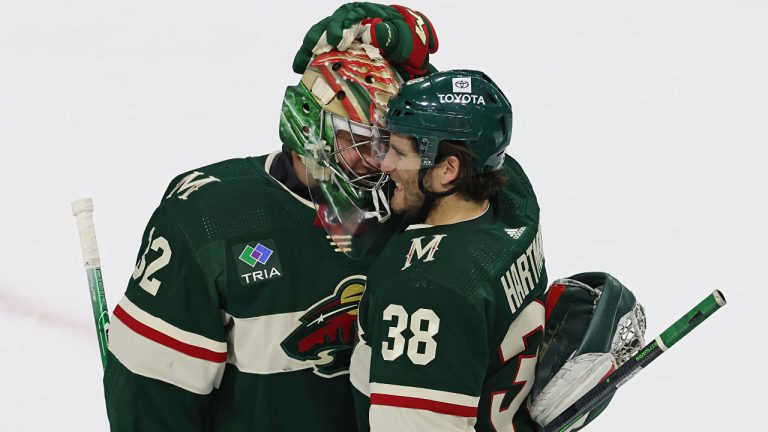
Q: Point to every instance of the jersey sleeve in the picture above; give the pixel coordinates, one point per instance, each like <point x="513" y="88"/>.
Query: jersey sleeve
<point x="429" y="357"/>
<point x="167" y="345"/>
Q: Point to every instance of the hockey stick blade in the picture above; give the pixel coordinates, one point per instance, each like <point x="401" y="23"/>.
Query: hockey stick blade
<point x="568" y="418"/>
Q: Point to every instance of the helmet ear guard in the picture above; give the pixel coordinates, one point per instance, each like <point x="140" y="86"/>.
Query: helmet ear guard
<point x="427" y="146"/>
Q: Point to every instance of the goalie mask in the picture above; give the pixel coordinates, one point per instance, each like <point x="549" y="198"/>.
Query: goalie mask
<point x="332" y="119"/>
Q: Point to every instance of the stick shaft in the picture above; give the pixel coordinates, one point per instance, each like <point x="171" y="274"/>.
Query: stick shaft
<point x="83" y="212"/>
<point x="634" y="365"/>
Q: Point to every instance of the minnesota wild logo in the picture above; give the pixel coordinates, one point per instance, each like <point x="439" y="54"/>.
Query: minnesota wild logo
<point x="326" y="331"/>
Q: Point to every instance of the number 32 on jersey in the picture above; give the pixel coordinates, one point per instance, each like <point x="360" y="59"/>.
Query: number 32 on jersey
<point x="144" y="270"/>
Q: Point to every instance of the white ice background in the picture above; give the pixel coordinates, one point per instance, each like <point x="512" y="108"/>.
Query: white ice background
<point x="642" y="126"/>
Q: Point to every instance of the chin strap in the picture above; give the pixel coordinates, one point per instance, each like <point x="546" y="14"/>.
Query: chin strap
<point x="431" y="197"/>
<point x="431" y="194"/>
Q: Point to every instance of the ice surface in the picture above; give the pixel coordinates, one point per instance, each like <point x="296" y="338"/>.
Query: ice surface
<point x="642" y="126"/>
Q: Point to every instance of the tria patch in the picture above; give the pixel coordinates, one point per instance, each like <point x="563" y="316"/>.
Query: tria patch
<point x="257" y="261"/>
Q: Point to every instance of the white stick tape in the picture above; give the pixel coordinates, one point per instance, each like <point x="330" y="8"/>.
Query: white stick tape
<point x="83" y="211"/>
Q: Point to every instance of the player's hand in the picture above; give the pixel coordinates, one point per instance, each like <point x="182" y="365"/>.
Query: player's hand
<point x="405" y="37"/>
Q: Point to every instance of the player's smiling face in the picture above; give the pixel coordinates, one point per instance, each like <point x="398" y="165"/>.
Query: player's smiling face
<point x="402" y="162"/>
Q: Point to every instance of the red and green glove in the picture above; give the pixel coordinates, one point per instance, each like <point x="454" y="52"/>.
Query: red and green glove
<point x="404" y="37"/>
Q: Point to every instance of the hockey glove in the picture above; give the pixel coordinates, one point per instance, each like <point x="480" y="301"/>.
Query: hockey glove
<point x="573" y="380"/>
<point x="404" y="37"/>
<point x="593" y="325"/>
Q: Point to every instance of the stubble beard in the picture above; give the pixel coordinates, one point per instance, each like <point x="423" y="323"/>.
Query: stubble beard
<point x="411" y="200"/>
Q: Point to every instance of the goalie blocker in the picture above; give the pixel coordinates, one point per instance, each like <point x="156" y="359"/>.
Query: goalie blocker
<point x="593" y="325"/>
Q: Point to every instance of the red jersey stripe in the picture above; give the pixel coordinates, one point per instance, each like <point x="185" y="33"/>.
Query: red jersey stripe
<point x="425" y="404"/>
<point x="168" y="341"/>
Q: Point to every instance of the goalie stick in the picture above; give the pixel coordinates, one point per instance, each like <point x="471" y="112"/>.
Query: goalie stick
<point x="83" y="211"/>
<point x="569" y="418"/>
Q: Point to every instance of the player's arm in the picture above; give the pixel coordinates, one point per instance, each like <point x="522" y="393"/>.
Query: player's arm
<point x="429" y="358"/>
<point x="167" y="344"/>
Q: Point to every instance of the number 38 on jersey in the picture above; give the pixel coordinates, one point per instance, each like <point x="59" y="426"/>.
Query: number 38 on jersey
<point x="424" y="324"/>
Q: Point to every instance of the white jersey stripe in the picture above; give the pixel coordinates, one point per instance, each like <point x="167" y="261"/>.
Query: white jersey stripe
<point x="360" y="368"/>
<point x="163" y="327"/>
<point x="145" y="357"/>
<point x="255" y="343"/>
<point x="384" y="418"/>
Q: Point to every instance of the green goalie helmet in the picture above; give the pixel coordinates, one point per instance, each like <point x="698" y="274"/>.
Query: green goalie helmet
<point x="456" y="105"/>
<point x="332" y="119"/>
<point x="341" y="95"/>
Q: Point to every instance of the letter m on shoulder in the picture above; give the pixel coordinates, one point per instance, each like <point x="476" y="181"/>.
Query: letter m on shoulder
<point x="189" y="184"/>
<point x="420" y="251"/>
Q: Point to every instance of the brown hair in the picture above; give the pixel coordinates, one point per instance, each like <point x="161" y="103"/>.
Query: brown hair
<point x="469" y="184"/>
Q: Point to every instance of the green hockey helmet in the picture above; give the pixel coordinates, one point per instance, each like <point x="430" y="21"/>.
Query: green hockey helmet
<point x="456" y="105"/>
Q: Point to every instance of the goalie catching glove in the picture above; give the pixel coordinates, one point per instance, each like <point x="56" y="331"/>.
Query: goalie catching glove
<point x="593" y="325"/>
<point x="403" y="36"/>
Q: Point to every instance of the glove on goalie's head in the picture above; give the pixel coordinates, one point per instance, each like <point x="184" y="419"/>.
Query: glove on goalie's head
<point x="404" y="36"/>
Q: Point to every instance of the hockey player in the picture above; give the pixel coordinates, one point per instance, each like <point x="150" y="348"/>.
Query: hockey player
<point x="240" y="313"/>
<point x="452" y="317"/>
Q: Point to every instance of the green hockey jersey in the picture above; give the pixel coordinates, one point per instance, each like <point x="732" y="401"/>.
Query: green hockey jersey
<point x="451" y="322"/>
<point x="240" y="313"/>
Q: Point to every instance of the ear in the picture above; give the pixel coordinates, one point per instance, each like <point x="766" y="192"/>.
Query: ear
<point x="450" y="170"/>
